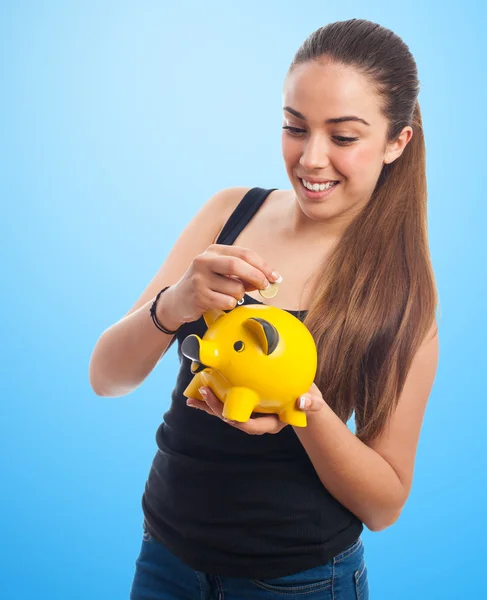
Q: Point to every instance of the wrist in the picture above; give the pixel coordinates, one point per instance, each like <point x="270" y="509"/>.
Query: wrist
<point x="165" y="312"/>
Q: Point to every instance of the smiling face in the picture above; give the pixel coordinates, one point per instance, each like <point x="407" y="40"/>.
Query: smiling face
<point x="319" y="145"/>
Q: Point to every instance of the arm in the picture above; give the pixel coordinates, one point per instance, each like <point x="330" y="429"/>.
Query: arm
<point x="127" y="351"/>
<point x="373" y="481"/>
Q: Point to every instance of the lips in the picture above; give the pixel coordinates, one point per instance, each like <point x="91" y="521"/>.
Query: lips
<point x="323" y="186"/>
<point x="319" y="181"/>
<point x="320" y="195"/>
<point x="327" y="183"/>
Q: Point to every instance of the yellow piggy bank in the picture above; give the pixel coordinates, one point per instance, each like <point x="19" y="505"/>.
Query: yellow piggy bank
<point x="254" y="358"/>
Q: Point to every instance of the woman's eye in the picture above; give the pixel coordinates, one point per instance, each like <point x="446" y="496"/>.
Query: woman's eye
<point x="339" y="139"/>
<point x="344" y="141"/>
<point x="294" y="130"/>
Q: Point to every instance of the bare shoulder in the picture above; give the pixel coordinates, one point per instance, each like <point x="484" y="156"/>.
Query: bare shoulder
<point x="199" y="233"/>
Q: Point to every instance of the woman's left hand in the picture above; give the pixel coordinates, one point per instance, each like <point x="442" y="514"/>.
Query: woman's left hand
<point x="311" y="402"/>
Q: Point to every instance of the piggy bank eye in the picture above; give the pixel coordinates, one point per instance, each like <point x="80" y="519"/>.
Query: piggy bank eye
<point x="239" y="346"/>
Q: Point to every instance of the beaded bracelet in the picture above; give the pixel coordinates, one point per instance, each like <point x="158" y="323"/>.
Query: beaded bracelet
<point x="157" y="323"/>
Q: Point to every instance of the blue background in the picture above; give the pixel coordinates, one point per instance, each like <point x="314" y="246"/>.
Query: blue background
<point x="118" y="120"/>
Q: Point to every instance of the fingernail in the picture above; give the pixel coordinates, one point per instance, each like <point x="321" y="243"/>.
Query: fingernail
<point x="276" y="277"/>
<point x="302" y="402"/>
<point x="203" y="392"/>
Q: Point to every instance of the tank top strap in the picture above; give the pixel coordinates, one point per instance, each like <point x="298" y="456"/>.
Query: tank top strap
<point x="246" y="209"/>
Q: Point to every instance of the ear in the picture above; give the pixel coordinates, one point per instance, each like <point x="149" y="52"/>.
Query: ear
<point x="396" y="148"/>
<point x="212" y="315"/>
<point x="266" y="334"/>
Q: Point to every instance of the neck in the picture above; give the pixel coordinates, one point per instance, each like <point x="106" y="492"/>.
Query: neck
<point x="324" y="232"/>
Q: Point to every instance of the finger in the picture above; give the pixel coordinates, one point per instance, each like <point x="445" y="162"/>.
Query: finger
<point x="251" y="257"/>
<point x="234" y="266"/>
<point x="220" y="301"/>
<point x="200" y="405"/>
<point x="229" y="286"/>
<point x="310" y="402"/>
<point x="212" y="401"/>
<point x="249" y="268"/>
<point x="215" y="405"/>
<point x="267" y="424"/>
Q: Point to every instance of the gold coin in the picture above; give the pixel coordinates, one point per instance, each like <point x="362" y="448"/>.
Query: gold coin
<point x="270" y="291"/>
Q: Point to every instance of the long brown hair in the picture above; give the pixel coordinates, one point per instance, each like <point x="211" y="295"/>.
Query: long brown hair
<point x="376" y="297"/>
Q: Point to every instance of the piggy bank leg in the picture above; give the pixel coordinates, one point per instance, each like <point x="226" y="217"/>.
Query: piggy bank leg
<point x="291" y="415"/>
<point x="192" y="390"/>
<point x="239" y="404"/>
<point x="217" y="384"/>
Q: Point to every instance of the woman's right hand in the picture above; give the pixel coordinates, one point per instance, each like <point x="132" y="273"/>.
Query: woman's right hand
<point x="216" y="279"/>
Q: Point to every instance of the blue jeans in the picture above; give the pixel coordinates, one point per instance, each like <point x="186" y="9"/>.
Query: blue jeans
<point x="160" y="575"/>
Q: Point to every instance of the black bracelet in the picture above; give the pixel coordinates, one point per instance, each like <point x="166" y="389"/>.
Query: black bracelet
<point x="157" y="323"/>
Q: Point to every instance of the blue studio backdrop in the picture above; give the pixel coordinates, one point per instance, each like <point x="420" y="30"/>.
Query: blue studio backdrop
<point x="118" y="121"/>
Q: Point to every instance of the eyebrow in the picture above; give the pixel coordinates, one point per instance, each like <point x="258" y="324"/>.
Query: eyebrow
<point x="328" y="121"/>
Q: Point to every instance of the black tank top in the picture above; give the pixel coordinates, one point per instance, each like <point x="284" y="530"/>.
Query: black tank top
<point x="232" y="504"/>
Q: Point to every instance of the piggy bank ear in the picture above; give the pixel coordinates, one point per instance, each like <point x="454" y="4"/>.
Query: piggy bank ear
<point x="265" y="333"/>
<point x="212" y="315"/>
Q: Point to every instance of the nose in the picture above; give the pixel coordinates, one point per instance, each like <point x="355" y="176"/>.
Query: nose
<point x="315" y="155"/>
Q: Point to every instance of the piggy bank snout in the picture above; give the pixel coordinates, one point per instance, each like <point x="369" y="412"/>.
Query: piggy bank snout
<point x="191" y="347"/>
<point x="201" y="351"/>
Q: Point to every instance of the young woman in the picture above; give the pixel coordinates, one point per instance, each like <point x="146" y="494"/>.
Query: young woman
<point x="261" y="509"/>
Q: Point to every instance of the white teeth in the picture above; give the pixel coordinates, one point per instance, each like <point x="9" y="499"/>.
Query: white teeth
<point x="318" y="187"/>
